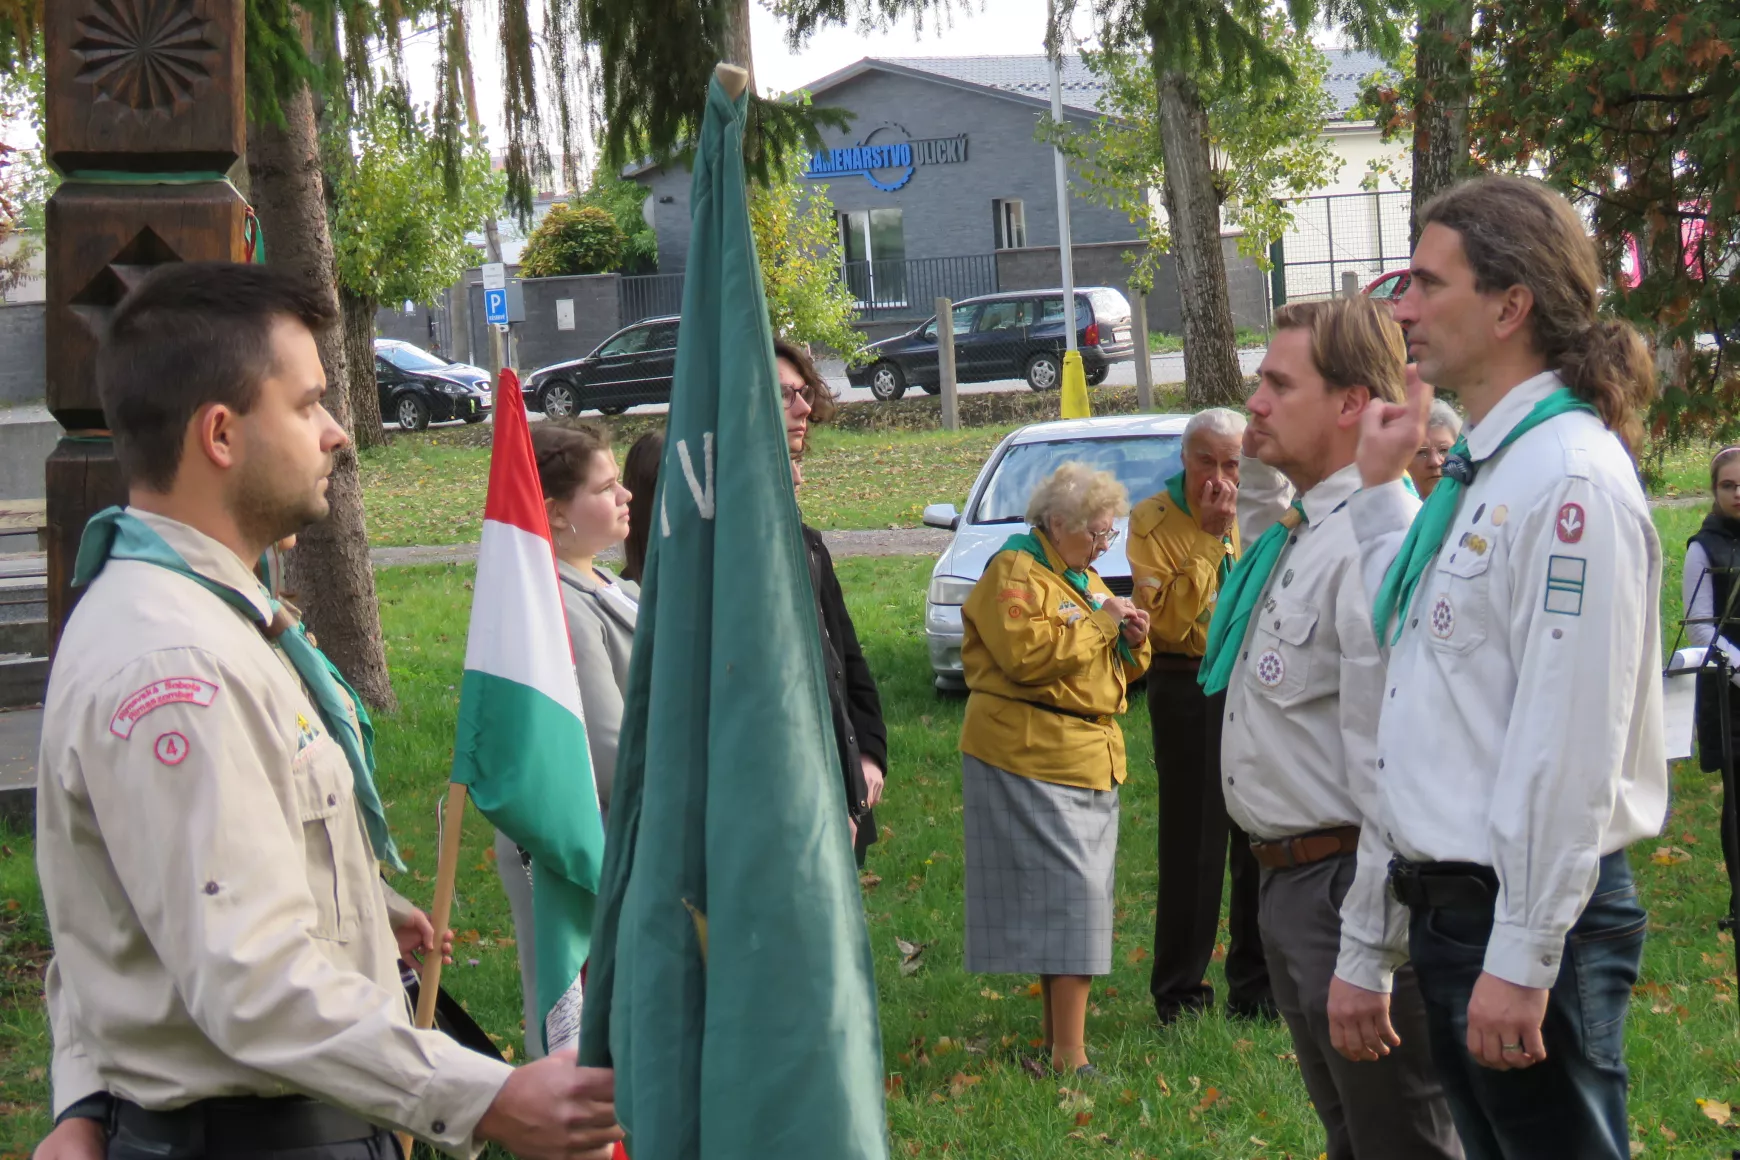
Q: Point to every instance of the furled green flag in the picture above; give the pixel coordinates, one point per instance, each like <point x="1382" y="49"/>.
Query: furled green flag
<point x="730" y="983"/>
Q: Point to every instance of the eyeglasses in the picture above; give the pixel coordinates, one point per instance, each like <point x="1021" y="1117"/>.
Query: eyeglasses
<point x="805" y="392"/>
<point x="1105" y="539"/>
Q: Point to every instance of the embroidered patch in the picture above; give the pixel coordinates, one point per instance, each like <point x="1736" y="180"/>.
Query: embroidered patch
<point x="1500" y="514"/>
<point x="169" y="691"/>
<point x="1015" y="613"/>
<point x="1271" y="669"/>
<point x="306" y="732"/>
<point x="1014" y="594"/>
<point x="1443" y="618"/>
<point x="171" y="749"/>
<point x="1477" y="544"/>
<point x="1570" y="524"/>
<point x="1566" y="576"/>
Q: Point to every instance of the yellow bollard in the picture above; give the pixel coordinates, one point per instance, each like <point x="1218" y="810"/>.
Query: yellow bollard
<point x="1074" y="393"/>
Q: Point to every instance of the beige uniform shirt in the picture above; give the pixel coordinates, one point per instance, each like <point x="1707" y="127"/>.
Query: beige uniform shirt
<point x="1299" y="747"/>
<point x="1521" y="725"/>
<point x="219" y="923"/>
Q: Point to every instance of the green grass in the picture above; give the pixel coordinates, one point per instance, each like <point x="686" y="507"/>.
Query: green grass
<point x="420" y="492"/>
<point x="1245" y="337"/>
<point x="954" y="1087"/>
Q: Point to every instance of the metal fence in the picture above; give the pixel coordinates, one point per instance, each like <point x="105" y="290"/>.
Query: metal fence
<point x="1365" y="233"/>
<point x="909" y="287"/>
<point x="648" y="296"/>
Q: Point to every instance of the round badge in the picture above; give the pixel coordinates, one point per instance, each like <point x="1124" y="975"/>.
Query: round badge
<point x="1443" y="618"/>
<point x="171" y="749"/>
<point x="1499" y="515"/>
<point x="1271" y="669"/>
<point x="1014" y="613"/>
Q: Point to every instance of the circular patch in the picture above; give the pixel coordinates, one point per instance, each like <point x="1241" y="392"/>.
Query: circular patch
<point x="1014" y="613"/>
<point x="1443" y="618"/>
<point x="1499" y="515"/>
<point x="171" y="749"/>
<point x="1271" y="669"/>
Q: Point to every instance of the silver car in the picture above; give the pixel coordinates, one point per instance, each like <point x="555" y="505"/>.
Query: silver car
<point x="1143" y="451"/>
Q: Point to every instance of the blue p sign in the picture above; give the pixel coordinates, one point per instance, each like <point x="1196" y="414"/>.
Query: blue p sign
<point x="495" y="307"/>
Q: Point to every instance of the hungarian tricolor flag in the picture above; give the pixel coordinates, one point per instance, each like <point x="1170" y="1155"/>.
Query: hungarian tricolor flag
<point x="521" y="744"/>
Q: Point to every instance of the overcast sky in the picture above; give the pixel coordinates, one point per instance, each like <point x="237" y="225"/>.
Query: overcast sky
<point x="978" y="28"/>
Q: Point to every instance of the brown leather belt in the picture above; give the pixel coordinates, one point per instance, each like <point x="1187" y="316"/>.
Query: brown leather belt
<point x="1304" y="849"/>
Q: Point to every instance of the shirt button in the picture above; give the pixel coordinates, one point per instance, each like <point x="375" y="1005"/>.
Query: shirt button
<point x="438" y="1127"/>
<point x="1277" y="626"/>
<point x="1546" y="960"/>
<point x="1229" y="781"/>
<point x="1380" y="763"/>
<point x="1246" y="656"/>
<point x="1414" y="623"/>
<point x="211" y="887"/>
<point x="1558" y="633"/>
<point x="331" y="799"/>
<point x="1392" y="693"/>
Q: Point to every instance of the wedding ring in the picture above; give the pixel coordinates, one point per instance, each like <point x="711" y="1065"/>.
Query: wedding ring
<point x="1509" y="1047"/>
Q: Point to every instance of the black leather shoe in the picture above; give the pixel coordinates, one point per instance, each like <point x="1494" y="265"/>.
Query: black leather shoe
<point x="1258" y="1011"/>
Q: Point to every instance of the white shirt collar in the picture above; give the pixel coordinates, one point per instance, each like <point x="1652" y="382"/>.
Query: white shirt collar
<point x="1330" y="493"/>
<point x="210" y="558"/>
<point x="1485" y="436"/>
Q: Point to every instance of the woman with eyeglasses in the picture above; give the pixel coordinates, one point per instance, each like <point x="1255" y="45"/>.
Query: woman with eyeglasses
<point x="1712" y="570"/>
<point x="856" y="706"/>
<point x="1049" y="654"/>
<point x="1443" y="428"/>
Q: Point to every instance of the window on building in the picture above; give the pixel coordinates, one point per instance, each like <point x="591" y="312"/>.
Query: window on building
<point x="874" y="241"/>
<point x="1009" y="216"/>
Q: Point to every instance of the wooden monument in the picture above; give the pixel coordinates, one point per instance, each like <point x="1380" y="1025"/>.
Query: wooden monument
<point x="146" y="117"/>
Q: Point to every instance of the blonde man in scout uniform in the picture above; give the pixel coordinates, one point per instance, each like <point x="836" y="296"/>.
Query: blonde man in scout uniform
<point x="208" y="831"/>
<point x="1520" y="746"/>
<point x="1183" y="542"/>
<point x="1293" y="647"/>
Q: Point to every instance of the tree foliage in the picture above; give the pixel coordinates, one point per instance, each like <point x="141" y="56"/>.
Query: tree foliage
<point x="622" y="200"/>
<point x="1266" y="137"/>
<point x="798" y="243"/>
<point x="1632" y="109"/>
<point x="573" y="239"/>
<point x="397" y="233"/>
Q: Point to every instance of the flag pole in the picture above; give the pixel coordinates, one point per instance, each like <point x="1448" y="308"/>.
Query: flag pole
<point x="446" y="870"/>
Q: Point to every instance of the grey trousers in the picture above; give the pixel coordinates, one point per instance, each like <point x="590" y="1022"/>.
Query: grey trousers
<point x="1393" y="1109"/>
<point x="518" y="885"/>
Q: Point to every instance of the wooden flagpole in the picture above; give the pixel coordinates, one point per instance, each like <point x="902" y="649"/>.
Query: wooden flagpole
<point x="446" y="870"/>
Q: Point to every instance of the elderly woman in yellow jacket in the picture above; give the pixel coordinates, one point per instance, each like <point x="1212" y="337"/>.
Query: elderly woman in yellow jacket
<point x="1049" y="654"/>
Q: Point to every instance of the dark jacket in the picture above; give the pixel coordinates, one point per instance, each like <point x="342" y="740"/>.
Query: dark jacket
<point x="852" y="696"/>
<point x="1720" y="539"/>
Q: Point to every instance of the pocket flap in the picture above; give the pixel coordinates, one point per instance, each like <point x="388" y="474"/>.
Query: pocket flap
<point x="1464" y="562"/>
<point x="322" y="779"/>
<point x="1290" y="621"/>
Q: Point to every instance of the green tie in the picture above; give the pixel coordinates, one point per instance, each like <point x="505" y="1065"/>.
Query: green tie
<point x="1239" y="594"/>
<point x="1432" y="524"/>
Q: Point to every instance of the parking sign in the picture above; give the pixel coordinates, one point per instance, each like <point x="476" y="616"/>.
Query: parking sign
<point x="495" y="307"/>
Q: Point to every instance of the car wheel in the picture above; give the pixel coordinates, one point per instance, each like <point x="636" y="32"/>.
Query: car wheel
<point x="613" y="409"/>
<point x="474" y="418"/>
<point x="1044" y="371"/>
<point x="559" y="401"/>
<point x="932" y="388"/>
<point x="887" y="381"/>
<point x="412" y="413"/>
<point x="1097" y="376"/>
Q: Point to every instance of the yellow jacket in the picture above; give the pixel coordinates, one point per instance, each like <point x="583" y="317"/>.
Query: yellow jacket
<point x="1031" y="640"/>
<point x="1176" y="569"/>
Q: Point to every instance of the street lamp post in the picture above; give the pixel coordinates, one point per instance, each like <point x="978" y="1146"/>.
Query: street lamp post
<point x="1066" y="251"/>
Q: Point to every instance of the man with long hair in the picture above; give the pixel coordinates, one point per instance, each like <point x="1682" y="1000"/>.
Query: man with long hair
<point x="1520" y="743"/>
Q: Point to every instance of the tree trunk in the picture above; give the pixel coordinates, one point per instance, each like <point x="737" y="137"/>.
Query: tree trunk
<point x="358" y="314"/>
<point x="737" y="46"/>
<point x="1211" y="365"/>
<point x="329" y="573"/>
<point x="1444" y="82"/>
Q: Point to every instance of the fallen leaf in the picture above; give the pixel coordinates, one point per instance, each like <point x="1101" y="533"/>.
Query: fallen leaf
<point x="1071" y="1100"/>
<point x="1083" y="1119"/>
<point x="507" y="1053"/>
<point x="1259" y="1143"/>
<point x="961" y="1081"/>
<point x="1032" y="1067"/>
<point x="1668" y="1132"/>
<point x="893" y="1084"/>
<point x="489" y="854"/>
<point x="1717" y="1110"/>
<point x="977" y="1045"/>
<point x="944" y="1045"/>
<point x="911" y="956"/>
<point x="1209" y="1098"/>
<point x="1136" y="955"/>
<point x="1111" y="992"/>
<point x="1242" y="1045"/>
<point x="1160" y="1082"/>
<point x="994" y="996"/>
<point x="1637" y="1148"/>
<point x="1035" y="991"/>
<point x="869" y="881"/>
<point x="1669" y="855"/>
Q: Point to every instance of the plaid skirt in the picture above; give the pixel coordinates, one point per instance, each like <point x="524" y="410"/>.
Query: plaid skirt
<point x="1041" y="860"/>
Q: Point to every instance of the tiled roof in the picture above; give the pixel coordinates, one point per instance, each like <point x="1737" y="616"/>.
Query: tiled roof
<point x="1031" y="76"/>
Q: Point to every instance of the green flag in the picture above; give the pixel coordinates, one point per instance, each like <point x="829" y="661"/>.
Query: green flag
<point x="730" y="983"/>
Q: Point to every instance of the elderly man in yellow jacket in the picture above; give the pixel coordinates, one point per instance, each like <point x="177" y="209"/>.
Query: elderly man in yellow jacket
<point x="1049" y="654"/>
<point x="1183" y="542"/>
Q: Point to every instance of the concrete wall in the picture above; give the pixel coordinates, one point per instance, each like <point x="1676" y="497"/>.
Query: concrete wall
<point x="23" y="353"/>
<point x="945" y="209"/>
<point x="1110" y="263"/>
<point x="596" y="313"/>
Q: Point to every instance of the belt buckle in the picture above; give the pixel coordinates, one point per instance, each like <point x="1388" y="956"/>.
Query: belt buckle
<point x="1404" y="879"/>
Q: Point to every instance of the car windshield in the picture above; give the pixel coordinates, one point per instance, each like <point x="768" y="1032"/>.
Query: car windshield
<point x="1142" y="463"/>
<point x="409" y="358"/>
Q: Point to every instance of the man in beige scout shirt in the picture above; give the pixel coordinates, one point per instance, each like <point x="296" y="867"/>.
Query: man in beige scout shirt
<point x="225" y="979"/>
<point x="1304" y="680"/>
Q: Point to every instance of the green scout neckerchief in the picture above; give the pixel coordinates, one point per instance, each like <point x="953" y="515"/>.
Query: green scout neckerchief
<point x="1175" y="489"/>
<point x="1239" y="594"/>
<point x="1030" y="543"/>
<point x="115" y="534"/>
<point x="1438" y="513"/>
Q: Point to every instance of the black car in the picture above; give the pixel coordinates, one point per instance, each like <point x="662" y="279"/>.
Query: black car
<point x="634" y="365"/>
<point x="1005" y="336"/>
<point x="418" y="388"/>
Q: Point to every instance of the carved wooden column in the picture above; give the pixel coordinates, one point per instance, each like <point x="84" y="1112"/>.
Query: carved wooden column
<point x="145" y="119"/>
